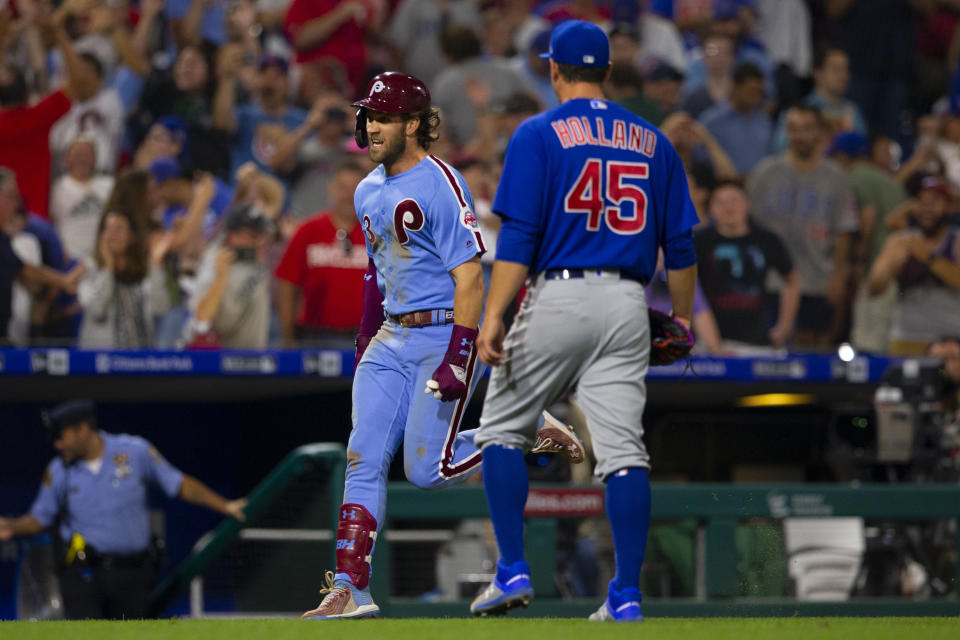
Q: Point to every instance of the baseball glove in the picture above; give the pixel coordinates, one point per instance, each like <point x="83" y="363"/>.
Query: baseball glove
<point x="669" y="340"/>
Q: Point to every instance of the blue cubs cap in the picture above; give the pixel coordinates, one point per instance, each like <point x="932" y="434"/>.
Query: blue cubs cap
<point x="163" y="169"/>
<point x="579" y="43"/>
<point x="541" y="43"/>
<point x="176" y="126"/>
<point x="274" y="61"/>
<point x="730" y="9"/>
<point x="849" y="143"/>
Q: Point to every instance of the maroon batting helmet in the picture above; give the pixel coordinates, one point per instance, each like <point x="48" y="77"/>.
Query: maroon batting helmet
<point x="390" y="92"/>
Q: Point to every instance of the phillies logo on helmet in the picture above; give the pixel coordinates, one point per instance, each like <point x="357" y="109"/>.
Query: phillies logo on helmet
<point x="377" y="87"/>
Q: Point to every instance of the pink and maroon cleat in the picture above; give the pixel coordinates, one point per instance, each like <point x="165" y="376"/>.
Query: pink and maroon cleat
<point x="343" y="600"/>
<point x="557" y="437"/>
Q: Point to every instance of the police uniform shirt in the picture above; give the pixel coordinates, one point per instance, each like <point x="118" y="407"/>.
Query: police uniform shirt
<point x="108" y="508"/>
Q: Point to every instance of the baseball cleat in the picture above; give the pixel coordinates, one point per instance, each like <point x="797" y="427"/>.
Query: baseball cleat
<point x="500" y="596"/>
<point x="557" y="437"/>
<point x="620" y="606"/>
<point x="342" y="600"/>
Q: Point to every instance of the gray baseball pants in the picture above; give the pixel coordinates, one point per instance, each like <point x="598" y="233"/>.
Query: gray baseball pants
<point x="591" y="334"/>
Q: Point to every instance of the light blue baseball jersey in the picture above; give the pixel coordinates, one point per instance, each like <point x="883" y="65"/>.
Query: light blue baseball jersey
<point x="589" y="184"/>
<point x="108" y="508"/>
<point x="419" y="226"/>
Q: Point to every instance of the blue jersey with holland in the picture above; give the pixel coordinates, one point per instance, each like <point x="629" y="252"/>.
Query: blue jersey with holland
<point x="419" y="226"/>
<point x="589" y="184"/>
<point x="108" y="508"/>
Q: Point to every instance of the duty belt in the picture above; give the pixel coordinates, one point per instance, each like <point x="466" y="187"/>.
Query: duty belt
<point x="425" y="318"/>
<point x="575" y="274"/>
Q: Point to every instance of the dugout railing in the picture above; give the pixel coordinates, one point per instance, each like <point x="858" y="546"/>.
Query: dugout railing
<point x="716" y="507"/>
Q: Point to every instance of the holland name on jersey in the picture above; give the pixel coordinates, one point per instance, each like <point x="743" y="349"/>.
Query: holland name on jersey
<point x="578" y="131"/>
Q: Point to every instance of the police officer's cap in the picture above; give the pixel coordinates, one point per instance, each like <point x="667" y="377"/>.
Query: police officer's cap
<point x="68" y="414"/>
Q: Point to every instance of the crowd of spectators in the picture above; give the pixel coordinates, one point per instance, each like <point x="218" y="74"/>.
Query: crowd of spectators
<point x="180" y="173"/>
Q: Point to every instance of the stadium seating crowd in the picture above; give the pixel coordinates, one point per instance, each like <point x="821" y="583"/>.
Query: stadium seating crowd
<point x="187" y="167"/>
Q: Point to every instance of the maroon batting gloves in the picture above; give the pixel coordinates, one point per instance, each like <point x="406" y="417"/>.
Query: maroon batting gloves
<point x="449" y="381"/>
<point x="371" y="316"/>
<point x="355" y="536"/>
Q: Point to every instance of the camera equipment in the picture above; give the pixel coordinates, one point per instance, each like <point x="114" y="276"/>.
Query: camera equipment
<point x="910" y="415"/>
<point x="335" y="114"/>
<point x="245" y="254"/>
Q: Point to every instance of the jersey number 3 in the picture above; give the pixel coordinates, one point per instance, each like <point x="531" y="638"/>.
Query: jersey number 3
<point x="587" y="196"/>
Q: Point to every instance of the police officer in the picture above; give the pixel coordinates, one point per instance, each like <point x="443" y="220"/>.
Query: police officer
<point x="97" y="490"/>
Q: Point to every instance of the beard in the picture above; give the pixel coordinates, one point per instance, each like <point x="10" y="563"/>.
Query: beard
<point x="390" y="151"/>
<point x="803" y="150"/>
<point x="933" y="228"/>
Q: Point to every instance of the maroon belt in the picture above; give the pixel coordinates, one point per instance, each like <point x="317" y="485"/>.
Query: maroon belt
<point x="426" y="318"/>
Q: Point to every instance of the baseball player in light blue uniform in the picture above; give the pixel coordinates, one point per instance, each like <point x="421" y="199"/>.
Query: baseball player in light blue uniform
<point x="588" y="193"/>
<point x="415" y="371"/>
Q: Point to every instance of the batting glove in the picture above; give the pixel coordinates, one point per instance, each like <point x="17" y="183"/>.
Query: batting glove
<point x="449" y="381"/>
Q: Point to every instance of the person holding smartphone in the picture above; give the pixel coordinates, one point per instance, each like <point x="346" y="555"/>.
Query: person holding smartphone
<point x="232" y="301"/>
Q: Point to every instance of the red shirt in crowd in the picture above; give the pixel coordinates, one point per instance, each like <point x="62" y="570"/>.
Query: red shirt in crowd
<point x="329" y="271"/>
<point x="25" y="147"/>
<point x="346" y="45"/>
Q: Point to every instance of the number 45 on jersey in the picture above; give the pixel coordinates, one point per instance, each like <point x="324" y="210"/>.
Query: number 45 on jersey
<point x="600" y="192"/>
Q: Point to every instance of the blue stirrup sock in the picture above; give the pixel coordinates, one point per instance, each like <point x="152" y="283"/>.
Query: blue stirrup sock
<point x="506" y="483"/>
<point x="628" y="508"/>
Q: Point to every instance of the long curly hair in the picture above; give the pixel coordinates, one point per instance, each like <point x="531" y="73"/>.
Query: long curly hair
<point x="427" y="131"/>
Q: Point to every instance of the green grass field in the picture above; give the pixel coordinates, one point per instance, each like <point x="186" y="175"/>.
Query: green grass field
<point x="495" y="629"/>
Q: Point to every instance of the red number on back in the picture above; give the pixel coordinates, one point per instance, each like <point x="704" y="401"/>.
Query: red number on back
<point x="589" y="196"/>
<point x="586" y="196"/>
<point x="617" y="192"/>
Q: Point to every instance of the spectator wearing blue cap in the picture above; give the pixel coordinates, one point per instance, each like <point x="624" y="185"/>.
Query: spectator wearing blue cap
<point x="191" y="211"/>
<point x="178" y="196"/>
<point x="167" y="137"/>
<point x="663" y="84"/>
<point x="186" y="90"/>
<point x="536" y="71"/>
<point x="257" y="127"/>
<point x="877" y="193"/>
<point x="742" y="126"/>
<point x="95" y="492"/>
